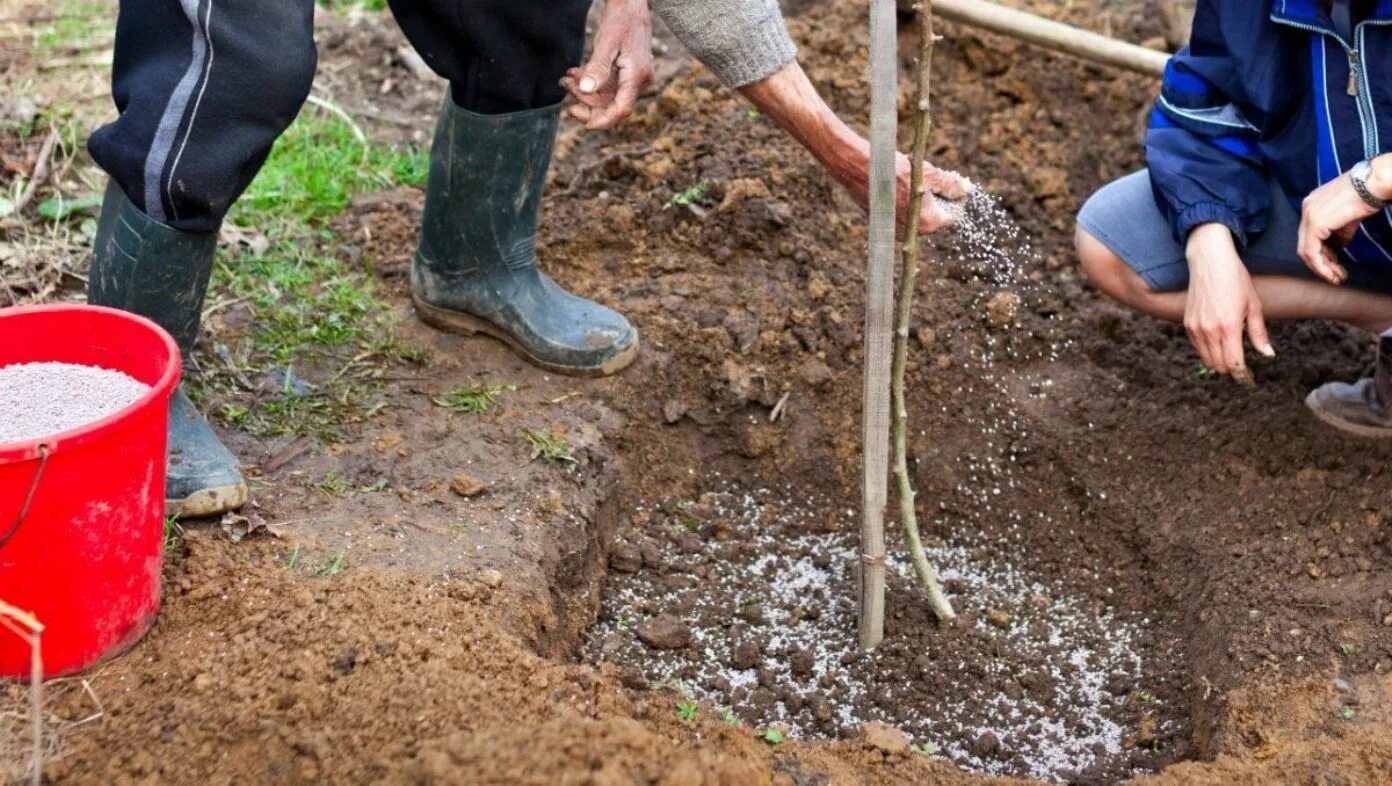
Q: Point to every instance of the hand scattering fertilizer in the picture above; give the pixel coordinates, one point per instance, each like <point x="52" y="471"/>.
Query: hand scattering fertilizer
<point x="84" y="400"/>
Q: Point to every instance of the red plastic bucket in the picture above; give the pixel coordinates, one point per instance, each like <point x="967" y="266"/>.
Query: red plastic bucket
<point x="85" y="556"/>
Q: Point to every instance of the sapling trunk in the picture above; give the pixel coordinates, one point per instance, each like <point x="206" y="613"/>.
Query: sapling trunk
<point x="879" y="292"/>
<point x="903" y="310"/>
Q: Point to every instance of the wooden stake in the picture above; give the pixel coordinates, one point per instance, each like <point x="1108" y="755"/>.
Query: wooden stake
<point x="879" y="291"/>
<point x="923" y="121"/>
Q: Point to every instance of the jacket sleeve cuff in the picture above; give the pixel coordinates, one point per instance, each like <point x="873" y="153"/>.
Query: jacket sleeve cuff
<point x="1209" y="213"/>
<point x="740" y="41"/>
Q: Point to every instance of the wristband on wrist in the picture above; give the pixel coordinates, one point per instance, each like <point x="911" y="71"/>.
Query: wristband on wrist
<point x="1359" y="176"/>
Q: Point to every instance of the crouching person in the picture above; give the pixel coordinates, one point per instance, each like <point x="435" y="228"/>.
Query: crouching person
<point x="1266" y="192"/>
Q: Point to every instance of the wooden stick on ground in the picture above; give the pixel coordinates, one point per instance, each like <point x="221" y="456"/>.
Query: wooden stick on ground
<point x="879" y="290"/>
<point x="1053" y="35"/>
<point x="27" y="627"/>
<point x="902" y="314"/>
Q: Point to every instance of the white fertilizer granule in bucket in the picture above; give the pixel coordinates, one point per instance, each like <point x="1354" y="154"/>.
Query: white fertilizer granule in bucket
<point x="41" y="399"/>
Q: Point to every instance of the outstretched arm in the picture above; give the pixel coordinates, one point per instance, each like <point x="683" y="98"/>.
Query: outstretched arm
<point x="745" y="43"/>
<point x="788" y="97"/>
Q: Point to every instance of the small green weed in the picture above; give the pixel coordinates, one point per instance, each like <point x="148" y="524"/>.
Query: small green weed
<point x="1346" y="648"/>
<point x="686" y="711"/>
<point x="548" y="445"/>
<point x="328" y="566"/>
<point x="773" y="736"/>
<point x="1204" y="372"/>
<point x="1347" y="713"/>
<point x="926" y="749"/>
<point x="473" y="398"/>
<point x="690" y="196"/>
<point x="335" y="484"/>
<point x="172" y="534"/>
<point x="728" y="716"/>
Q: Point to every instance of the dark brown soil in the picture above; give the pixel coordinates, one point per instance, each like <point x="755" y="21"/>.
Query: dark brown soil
<point x="1245" y="544"/>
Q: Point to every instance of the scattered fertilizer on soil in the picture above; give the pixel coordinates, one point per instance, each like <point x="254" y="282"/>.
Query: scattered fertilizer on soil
<point x="754" y="600"/>
<point x="40" y="399"/>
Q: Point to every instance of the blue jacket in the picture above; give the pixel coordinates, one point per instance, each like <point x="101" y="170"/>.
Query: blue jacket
<point x="1270" y="90"/>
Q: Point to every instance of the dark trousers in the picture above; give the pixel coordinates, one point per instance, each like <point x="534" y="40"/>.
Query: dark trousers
<point x="204" y="87"/>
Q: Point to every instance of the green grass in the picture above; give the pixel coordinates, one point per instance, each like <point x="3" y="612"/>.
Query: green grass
<point x="172" y="539"/>
<point x="548" y="445"/>
<point x="317" y="166"/>
<point x="344" y="6"/>
<point x="74" y="25"/>
<point x="473" y="398"/>
<point x="311" y="311"/>
<point x="327" y="566"/>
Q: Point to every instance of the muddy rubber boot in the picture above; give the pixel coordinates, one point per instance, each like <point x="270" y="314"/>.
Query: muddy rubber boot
<point x="142" y="266"/>
<point x="1364" y="407"/>
<point x="476" y="268"/>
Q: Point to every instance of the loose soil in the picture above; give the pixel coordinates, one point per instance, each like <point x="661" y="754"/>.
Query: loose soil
<point x="1208" y="547"/>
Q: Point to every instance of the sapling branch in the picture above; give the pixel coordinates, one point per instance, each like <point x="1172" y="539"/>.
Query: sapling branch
<point x="908" y="271"/>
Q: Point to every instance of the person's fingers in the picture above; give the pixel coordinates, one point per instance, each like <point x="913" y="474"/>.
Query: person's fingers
<point x="571" y="83"/>
<point x="937" y="214"/>
<point x="582" y="113"/>
<point x="1311" y="247"/>
<point x="1230" y="345"/>
<point x="948" y="185"/>
<point x="632" y="79"/>
<point x="1331" y="261"/>
<point x="1345" y="235"/>
<point x="1200" y="342"/>
<point x="1256" y="330"/>
<point x="596" y="73"/>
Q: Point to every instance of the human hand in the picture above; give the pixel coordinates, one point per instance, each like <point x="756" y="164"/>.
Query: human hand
<point x="939" y="185"/>
<point x="606" y="88"/>
<point x="1221" y="303"/>
<point x="1330" y="216"/>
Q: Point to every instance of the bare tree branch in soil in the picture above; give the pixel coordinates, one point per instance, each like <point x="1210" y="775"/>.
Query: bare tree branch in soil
<point x="879" y="291"/>
<point x="908" y="270"/>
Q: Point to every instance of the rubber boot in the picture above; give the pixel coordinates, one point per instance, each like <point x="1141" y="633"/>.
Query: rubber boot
<point x="142" y="266"/>
<point x="1361" y="408"/>
<point x="476" y="268"/>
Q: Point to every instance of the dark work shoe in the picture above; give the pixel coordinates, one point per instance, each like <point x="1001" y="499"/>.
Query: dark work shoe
<point x="476" y="269"/>
<point x="203" y="478"/>
<point x="1360" y="408"/>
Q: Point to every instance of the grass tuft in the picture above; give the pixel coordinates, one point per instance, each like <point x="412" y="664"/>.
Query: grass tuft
<point x="548" y="445"/>
<point x="473" y="398"/>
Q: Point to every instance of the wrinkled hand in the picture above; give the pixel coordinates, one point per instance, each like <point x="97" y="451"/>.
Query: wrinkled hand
<point x="1222" y="302"/>
<point x="933" y="213"/>
<point x="1330" y="216"/>
<point x="606" y="88"/>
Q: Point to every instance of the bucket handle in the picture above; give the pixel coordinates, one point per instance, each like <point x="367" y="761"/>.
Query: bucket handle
<point x="29" y="498"/>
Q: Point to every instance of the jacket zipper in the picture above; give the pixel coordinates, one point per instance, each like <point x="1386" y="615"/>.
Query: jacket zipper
<point x="1355" y="65"/>
<point x="1362" y="98"/>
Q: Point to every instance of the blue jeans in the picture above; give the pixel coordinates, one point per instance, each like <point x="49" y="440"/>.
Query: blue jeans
<point x="1123" y="216"/>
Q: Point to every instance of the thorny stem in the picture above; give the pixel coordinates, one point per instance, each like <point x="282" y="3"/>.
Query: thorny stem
<point x="903" y="307"/>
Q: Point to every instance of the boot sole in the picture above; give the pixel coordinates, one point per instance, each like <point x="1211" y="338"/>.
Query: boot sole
<point x="464" y="324"/>
<point x="1369" y="432"/>
<point x="208" y="502"/>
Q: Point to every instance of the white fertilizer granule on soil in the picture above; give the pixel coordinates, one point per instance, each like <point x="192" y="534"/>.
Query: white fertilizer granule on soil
<point x="41" y="399"/>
